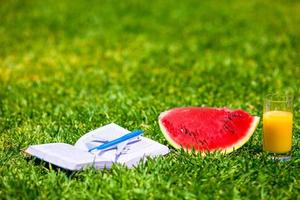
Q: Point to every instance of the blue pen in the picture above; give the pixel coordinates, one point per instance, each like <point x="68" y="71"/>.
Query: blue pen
<point x="118" y="140"/>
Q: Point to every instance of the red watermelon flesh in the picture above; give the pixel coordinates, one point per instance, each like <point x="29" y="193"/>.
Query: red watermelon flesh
<point x="207" y="129"/>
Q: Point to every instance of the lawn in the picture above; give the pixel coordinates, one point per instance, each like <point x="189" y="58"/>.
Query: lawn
<point x="67" y="67"/>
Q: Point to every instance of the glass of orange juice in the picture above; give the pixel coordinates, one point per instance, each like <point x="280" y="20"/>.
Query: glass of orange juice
<point x="278" y="125"/>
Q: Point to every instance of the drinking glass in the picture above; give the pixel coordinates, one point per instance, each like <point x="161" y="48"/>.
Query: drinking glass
<point x="278" y="125"/>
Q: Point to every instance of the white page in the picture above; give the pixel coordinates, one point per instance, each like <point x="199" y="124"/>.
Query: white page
<point x="108" y="132"/>
<point x="62" y="155"/>
<point x="136" y="152"/>
<point x="139" y="150"/>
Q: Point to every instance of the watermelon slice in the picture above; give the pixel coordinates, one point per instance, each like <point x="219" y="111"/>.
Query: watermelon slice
<point x="207" y="129"/>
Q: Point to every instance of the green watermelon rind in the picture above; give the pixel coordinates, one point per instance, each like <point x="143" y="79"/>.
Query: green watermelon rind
<point x="227" y="150"/>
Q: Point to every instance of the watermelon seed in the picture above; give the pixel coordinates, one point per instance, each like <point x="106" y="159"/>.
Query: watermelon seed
<point x="234" y="116"/>
<point x="186" y="131"/>
<point x="228" y="128"/>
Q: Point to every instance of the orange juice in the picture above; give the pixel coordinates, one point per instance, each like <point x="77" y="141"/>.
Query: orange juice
<point x="277" y="131"/>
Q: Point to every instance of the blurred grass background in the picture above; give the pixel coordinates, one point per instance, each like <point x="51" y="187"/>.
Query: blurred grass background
<point x="67" y="67"/>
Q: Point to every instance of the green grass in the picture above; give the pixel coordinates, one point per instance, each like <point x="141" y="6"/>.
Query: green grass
<point x="67" y="67"/>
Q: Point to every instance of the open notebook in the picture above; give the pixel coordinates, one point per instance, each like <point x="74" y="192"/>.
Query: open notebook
<point x="77" y="157"/>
